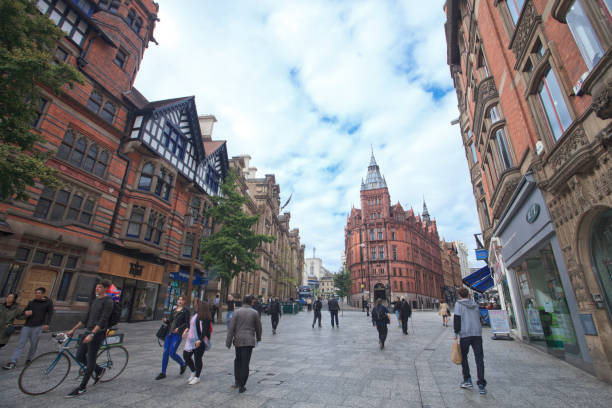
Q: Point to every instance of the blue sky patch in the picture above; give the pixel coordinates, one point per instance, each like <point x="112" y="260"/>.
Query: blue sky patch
<point x="437" y="92"/>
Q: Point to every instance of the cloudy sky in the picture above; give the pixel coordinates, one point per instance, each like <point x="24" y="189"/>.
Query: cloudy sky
<point x="306" y="87"/>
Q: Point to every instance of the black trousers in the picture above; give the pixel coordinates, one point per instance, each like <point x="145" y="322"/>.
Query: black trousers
<point x="241" y="365"/>
<point x="275" y="319"/>
<point x="405" y="325"/>
<point x="382" y="331"/>
<point x="196" y="366"/>
<point x="334" y="315"/>
<point x="476" y="343"/>
<point x="87" y="354"/>
<point x="317" y="316"/>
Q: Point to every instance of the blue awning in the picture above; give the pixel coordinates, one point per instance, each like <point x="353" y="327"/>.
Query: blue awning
<point x="481" y="280"/>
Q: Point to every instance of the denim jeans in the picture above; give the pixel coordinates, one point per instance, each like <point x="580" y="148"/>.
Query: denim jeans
<point x="228" y="317"/>
<point x="173" y="340"/>
<point x="476" y="343"/>
<point x="27" y="333"/>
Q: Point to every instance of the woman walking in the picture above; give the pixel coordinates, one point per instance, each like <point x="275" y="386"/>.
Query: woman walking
<point x="199" y="335"/>
<point x="178" y="322"/>
<point x="445" y="313"/>
<point x="9" y="310"/>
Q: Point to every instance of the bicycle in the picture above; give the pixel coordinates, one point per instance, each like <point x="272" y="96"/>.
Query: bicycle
<point x="47" y="371"/>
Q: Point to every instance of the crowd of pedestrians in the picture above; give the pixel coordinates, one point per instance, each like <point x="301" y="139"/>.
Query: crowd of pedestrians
<point x="244" y="331"/>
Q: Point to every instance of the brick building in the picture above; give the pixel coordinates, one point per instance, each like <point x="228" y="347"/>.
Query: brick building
<point x="451" y="271"/>
<point x="282" y="260"/>
<point x="136" y="176"/>
<point x="533" y="81"/>
<point x="391" y="252"/>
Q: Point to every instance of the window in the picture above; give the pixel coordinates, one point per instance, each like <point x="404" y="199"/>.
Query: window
<point x="380" y="233"/>
<point x="80" y="208"/>
<point x="64" y="285"/>
<point x="155" y="226"/>
<point x="110" y="5"/>
<point x="93" y="160"/>
<point x="135" y="222"/>
<point x="554" y="106"/>
<point x="473" y="150"/>
<point x="515" y="7"/>
<point x="188" y="246"/>
<point x="146" y="177"/>
<point x="95" y="102"/>
<point x="173" y="141"/>
<point x="194" y="208"/>
<point x="71" y="262"/>
<point x="494" y="114"/>
<point x="373" y="253"/>
<point x="39" y="110"/>
<point x="393" y="234"/>
<point x="584" y="35"/>
<point x="60" y="55"/>
<point x="372" y="235"/>
<point x="394" y="253"/>
<point x="66" y="18"/>
<point x="504" y="153"/>
<point x="59" y="207"/>
<point x="56" y="260"/>
<point x="137" y="25"/>
<point x="381" y="252"/>
<point x="108" y="112"/>
<point x="40" y="257"/>
<point x="164" y="184"/>
<point x="401" y="286"/>
<point x="9" y="277"/>
<point x="120" y="58"/>
<point x="131" y="16"/>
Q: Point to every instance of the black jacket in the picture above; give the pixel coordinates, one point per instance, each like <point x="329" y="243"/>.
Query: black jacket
<point x="275" y="308"/>
<point x="405" y="310"/>
<point x="203" y="331"/>
<point x="333" y="306"/>
<point x="179" y="320"/>
<point x="318" y="306"/>
<point x="231" y="305"/>
<point x="380" y="315"/>
<point x="42" y="311"/>
<point x="99" y="312"/>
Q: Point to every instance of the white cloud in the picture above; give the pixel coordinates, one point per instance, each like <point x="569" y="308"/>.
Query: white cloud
<point x="288" y="80"/>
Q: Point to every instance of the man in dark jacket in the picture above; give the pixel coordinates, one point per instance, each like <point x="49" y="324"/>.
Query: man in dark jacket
<point x="275" y="314"/>
<point x="317" y="311"/>
<point x="405" y="311"/>
<point x="469" y="329"/>
<point x="244" y="330"/>
<point x="333" y="306"/>
<point x="38" y="315"/>
<point x="96" y="323"/>
<point x="380" y="319"/>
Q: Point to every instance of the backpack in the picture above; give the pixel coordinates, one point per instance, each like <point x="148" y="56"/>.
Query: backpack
<point x="115" y="315"/>
<point x="376" y="314"/>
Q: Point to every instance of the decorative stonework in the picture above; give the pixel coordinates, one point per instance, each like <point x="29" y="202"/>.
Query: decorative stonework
<point x="525" y="27"/>
<point x="485" y="91"/>
<point x="507" y="184"/>
<point x="576" y="275"/>
<point x="602" y="101"/>
<point x="602" y="184"/>
<point x="567" y="148"/>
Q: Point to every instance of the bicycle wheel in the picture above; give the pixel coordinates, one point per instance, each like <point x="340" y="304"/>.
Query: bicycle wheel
<point x="44" y="373"/>
<point x="114" y="359"/>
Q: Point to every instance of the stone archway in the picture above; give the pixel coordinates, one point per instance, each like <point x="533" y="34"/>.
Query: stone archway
<point x="380" y="292"/>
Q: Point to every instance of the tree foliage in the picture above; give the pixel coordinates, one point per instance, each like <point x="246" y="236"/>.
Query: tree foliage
<point x="27" y="42"/>
<point x="233" y="247"/>
<point x="343" y="283"/>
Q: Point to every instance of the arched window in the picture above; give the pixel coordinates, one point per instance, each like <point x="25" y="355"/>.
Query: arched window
<point x="108" y="112"/>
<point x="79" y="151"/>
<point x="146" y="177"/>
<point x="137" y="25"/>
<point x="161" y="176"/>
<point x="159" y="228"/>
<point x="90" y="159"/>
<point x="66" y="146"/>
<point x="101" y="164"/>
<point x="167" y="186"/>
<point x="131" y="16"/>
<point x="135" y="222"/>
<point x="95" y="102"/>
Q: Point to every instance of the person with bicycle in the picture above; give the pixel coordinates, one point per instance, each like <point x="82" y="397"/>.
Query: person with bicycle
<point x="96" y="323"/>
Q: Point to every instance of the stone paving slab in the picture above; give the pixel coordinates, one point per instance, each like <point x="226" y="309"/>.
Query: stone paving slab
<point x="325" y="367"/>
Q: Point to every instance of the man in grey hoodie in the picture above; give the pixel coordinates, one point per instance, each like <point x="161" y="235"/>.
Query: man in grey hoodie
<point x="469" y="329"/>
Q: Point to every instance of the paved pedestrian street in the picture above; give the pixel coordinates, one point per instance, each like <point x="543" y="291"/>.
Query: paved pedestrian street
<point x="324" y="367"/>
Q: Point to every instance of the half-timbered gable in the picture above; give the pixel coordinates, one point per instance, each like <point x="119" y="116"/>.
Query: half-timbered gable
<point x="214" y="167"/>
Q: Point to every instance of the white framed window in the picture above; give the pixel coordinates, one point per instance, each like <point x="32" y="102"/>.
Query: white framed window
<point x="584" y="35"/>
<point x="552" y="101"/>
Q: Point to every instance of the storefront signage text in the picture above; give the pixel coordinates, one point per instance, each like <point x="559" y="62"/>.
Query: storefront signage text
<point x="532" y="213"/>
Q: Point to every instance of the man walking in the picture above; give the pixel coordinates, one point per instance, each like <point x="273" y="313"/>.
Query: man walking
<point x="333" y="306"/>
<point x="216" y="309"/>
<point x="405" y="311"/>
<point x="244" y="331"/>
<point x="96" y="323"/>
<point x="317" y="311"/>
<point x="231" y="305"/>
<point x="275" y="314"/>
<point x="366" y="305"/>
<point x="380" y="319"/>
<point x="469" y="329"/>
<point x="38" y="315"/>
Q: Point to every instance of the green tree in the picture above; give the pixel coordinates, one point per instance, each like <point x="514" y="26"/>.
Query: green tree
<point x="343" y="283"/>
<point x="27" y="41"/>
<point x="233" y="247"/>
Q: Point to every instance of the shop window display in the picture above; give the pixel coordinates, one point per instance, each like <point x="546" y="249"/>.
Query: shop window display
<point x="601" y="253"/>
<point x="543" y="300"/>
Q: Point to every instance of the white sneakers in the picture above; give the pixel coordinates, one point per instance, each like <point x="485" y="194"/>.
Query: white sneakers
<point x="194" y="380"/>
<point x="191" y="377"/>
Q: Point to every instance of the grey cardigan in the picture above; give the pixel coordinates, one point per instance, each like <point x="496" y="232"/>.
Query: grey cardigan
<point x="245" y="328"/>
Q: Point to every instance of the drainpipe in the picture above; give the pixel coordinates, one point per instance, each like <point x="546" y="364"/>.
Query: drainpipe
<point x="128" y="162"/>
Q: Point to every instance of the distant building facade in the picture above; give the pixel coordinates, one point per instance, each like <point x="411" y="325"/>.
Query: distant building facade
<point x="314" y="267"/>
<point x="391" y="252"/>
<point x="326" y="285"/>
<point x="451" y="271"/>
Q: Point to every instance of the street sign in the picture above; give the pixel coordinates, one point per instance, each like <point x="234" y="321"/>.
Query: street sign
<point x="482" y="254"/>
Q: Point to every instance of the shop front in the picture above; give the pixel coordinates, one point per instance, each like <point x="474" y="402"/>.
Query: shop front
<point x="178" y="286"/>
<point x="138" y="280"/>
<point x="530" y="270"/>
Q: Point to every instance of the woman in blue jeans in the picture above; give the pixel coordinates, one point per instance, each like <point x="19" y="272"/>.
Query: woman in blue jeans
<point x="178" y="324"/>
